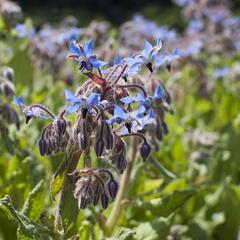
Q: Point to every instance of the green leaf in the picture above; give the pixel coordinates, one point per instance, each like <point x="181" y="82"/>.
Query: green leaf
<point x="122" y="234"/>
<point x="68" y="207"/>
<point x="28" y="229"/>
<point x="85" y="231"/>
<point x="21" y="63"/>
<point x="58" y="179"/>
<point x="56" y="185"/>
<point x="154" y="230"/>
<point x="162" y="206"/>
<point x="34" y="204"/>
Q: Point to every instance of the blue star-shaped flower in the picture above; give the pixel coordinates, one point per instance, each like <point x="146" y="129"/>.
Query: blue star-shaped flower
<point x="32" y="110"/>
<point x="158" y="94"/>
<point x="84" y="56"/>
<point x="121" y="116"/>
<point x="145" y="102"/>
<point x="75" y="103"/>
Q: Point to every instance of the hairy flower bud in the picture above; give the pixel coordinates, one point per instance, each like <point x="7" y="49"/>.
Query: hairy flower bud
<point x="112" y="188"/>
<point x="60" y="126"/>
<point x="107" y="135"/>
<point x="84" y="141"/>
<point x="104" y="200"/>
<point x="9" y="114"/>
<point x="145" y="150"/>
<point x="99" y="146"/>
<point x="8" y="73"/>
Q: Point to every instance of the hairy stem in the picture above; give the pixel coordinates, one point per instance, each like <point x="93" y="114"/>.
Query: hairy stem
<point x="118" y="206"/>
<point x="72" y="162"/>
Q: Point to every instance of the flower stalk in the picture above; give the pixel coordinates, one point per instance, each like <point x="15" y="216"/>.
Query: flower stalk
<point x="118" y="206"/>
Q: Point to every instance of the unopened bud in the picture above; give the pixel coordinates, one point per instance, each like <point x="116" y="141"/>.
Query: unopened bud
<point x="145" y="150"/>
<point x="112" y="188"/>
<point x="104" y="200"/>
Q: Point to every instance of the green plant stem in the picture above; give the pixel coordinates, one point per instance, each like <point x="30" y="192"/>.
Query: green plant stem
<point x="116" y="212"/>
<point x="71" y="166"/>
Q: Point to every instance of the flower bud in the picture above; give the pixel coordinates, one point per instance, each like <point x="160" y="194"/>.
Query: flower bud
<point x="107" y="135"/>
<point x="42" y="146"/>
<point x="145" y="150"/>
<point x="82" y="202"/>
<point x="99" y="146"/>
<point x="84" y="141"/>
<point x="60" y="126"/>
<point x="112" y="188"/>
<point x="104" y="200"/>
<point x="8" y="73"/>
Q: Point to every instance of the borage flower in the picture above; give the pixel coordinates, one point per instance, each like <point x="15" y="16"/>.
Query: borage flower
<point x="166" y="59"/>
<point x="147" y="55"/>
<point x="146" y="102"/>
<point x="75" y="103"/>
<point x="33" y="110"/>
<point x="84" y="56"/>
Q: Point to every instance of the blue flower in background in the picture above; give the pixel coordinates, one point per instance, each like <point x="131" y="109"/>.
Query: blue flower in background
<point x="84" y="55"/>
<point x="183" y="3"/>
<point x="23" y="31"/>
<point x="73" y="33"/>
<point x="166" y="59"/>
<point x="75" y="103"/>
<point x="221" y="72"/>
<point x="214" y="17"/>
<point x="164" y="33"/>
<point x="196" y="25"/>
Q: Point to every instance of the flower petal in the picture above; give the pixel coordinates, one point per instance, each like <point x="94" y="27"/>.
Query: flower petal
<point x="88" y="48"/>
<point x="93" y="99"/>
<point x="74" y="48"/>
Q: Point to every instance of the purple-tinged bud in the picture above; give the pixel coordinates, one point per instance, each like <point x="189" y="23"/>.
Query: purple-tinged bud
<point x="82" y="202"/>
<point x="7" y="89"/>
<point x="107" y="135"/>
<point x="145" y="150"/>
<point x="60" y="126"/>
<point x="9" y="114"/>
<point x="8" y="73"/>
<point x="84" y="141"/>
<point x="42" y="146"/>
<point x="121" y="161"/>
<point x="99" y="147"/>
<point x="84" y="112"/>
<point x="104" y="200"/>
<point x="112" y="188"/>
<point x="96" y="198"/>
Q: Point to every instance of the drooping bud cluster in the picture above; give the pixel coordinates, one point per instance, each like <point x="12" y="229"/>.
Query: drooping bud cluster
<point x="94" y="185"/>
<point x="7" y="90"/>
<point x="109" y="107"/>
